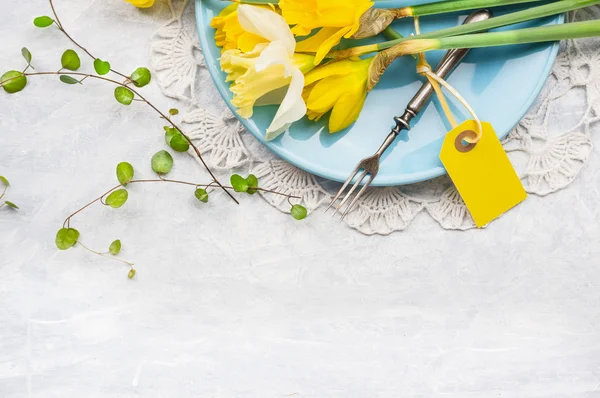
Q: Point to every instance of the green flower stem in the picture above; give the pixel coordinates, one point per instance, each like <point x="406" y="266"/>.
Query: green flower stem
<point x="62" y="29"/>
<point x="504" y="20"/>
<point x="162" y="115"/>
<point x="558" y="7"/>
<point x="391" y="33"/>
<point x="105" y="255"/>
<point x="575" y="30"/>
<point x="456" y="5"/>
<point x="513" y="18"/>
<point x="67" y="222"/>
<point x="439" y="7"/>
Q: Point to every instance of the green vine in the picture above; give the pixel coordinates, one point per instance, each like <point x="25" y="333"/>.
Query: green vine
<point x="126" y="92"/>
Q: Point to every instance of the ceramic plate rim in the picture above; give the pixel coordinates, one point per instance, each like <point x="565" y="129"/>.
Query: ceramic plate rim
<point x="402" y="179"/>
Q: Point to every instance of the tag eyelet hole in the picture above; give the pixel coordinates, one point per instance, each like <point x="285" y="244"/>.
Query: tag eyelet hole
<point x="463" y="146"/>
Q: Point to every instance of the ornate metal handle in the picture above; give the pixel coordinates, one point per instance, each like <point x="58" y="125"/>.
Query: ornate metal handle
<point x="450" y="60"/>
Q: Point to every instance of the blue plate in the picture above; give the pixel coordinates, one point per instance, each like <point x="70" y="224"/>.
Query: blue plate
<point x="500" y="84"/>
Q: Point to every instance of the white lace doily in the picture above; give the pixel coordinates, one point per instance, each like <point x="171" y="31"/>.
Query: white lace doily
<point x="548" y="147"/>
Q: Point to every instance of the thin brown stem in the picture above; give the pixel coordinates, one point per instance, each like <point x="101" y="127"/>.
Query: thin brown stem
<point x="193" y="184"/>
<point x="164" y="116"/>
<point x="68" y="219"/>
<point x="105" y="255"/>
<point x="208" y="185"/>
<point x="62" y="29"/>
<point x="196" y="150"/>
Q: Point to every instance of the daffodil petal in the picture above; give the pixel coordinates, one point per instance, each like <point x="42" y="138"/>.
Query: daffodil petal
<point x="253" y="85"/>
<point x="347" y="110"/>
<point x="331" y="42"/>
<point x="312" y="44"/>
<point x="300" y="30"/>
<point x="248" y="41"/>
<point x="292" y="107"/>
<point x="268" y="24"/>
<point x="310" y="14"/>
<point x="326" y="93"/>
<point x="334" y="68"/>
<point x="275" y="54"/>
<point x="274" y="97"/>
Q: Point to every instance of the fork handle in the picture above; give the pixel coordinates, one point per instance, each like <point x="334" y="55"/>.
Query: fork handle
<point x="450" y="60"/>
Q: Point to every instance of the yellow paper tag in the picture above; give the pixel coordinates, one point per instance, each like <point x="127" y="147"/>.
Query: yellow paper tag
<point x="482" y="173"/>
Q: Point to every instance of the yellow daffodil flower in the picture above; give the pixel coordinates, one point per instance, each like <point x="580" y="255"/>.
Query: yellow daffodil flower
<point x="252" y="86"/>
<point x="230" y="35"/>
<point x="261" y="76"/>
<point x="339" y="87"/>
<point x="141" y="3"/>
<point x="336" y="18"/>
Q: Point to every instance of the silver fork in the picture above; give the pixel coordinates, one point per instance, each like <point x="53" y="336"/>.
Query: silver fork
<point x="370" y="165"/>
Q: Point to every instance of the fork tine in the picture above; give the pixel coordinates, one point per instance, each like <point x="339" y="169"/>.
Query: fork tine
<point x="341" y="191"/>
<point x="349" y="194"/>
<point x="358" y="195"/>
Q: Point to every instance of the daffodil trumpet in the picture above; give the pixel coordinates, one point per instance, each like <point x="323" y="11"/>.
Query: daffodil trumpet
<point x="335" y="19"/>
<point x="260" y="75"/>
<point x="558" y="7"/>
<point x="376" y="20"/>
<point x="339" y="88"/>
<point x="230" y="34"/>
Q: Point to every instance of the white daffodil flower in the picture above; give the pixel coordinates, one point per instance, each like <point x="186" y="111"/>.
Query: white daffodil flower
<point x="268" y="69"/>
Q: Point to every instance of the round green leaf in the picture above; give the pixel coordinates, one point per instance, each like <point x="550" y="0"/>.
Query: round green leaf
<point x="179" y="143"/>
<point x="131" y="274"/>
<point x="115" y="247"/>
<point x="11" y="204"/>
<point x="70" y="60"/>
<point x="15" y="81"/>
<point x="124" y="173"/>
<point x="43" y="22"/>
<point x="4" y="180"/>
<point x="66" y="238"/>
<point x="201" y="195"/>
<point x="170" y="132"/>
<point x="252" y="182"/>
<point x="173" y="111"/>
<point x="239" y="183"/>
<point x="117" y="198"/>
<point x="141" y="77"/>
<point x="124" y="95"/>
<point x="26" y="54"/>
<point x="162" y="162"/>
<point x="101" y="67"/>
<point x="298" y="212"/>
<point x="68" y="79"/>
